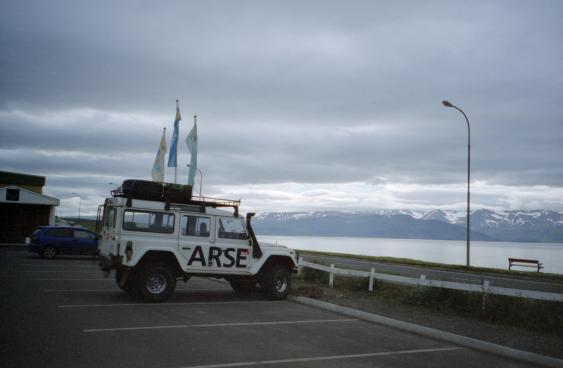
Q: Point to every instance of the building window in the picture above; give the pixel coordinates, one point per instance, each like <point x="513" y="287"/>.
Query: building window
<point x="13" y="195"/>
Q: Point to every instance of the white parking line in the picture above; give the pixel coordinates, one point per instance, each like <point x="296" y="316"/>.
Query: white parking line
<point x="161" y="304"/>
<point x="116" y="290"/>
<point x="67" y="279"/>
<point x="219" y="325"/>
<point x="65" y="271"/>
<point x="62" y="265"/>
<point x="331" y="357"/>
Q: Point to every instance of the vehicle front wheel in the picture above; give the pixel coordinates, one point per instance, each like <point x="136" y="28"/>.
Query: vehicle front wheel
<point x="155" y="282"/>
<point x="49" y="252"/>
<point x="276" y="282"/>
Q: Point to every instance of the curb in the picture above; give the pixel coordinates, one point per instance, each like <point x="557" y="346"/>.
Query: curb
<point x="435" y="334"/>
<point x="13" y="246"/>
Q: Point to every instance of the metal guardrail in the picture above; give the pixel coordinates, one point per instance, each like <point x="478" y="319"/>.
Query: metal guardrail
<point x="486" y="287"/>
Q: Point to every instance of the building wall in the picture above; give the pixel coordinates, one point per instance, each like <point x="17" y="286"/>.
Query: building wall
<point x="17" y="221"/>
<point x="33" y="188"/>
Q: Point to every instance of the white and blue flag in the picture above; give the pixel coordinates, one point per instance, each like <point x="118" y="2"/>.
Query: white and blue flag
<point x="172" y="157"/>
<point x="191" y="141"/>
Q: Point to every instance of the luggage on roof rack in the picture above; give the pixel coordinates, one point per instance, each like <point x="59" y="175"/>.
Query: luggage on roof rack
<point x="153" y="191"/>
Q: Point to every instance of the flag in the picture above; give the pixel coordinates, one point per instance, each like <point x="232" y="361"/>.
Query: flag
<point x="172" y="156"/>
<point x="191" y="141"/>
<point x="158" y="165"/>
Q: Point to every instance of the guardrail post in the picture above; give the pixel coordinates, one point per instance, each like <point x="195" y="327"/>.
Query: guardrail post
<point x="299" y="266"/>
<point x="371" y="277"/>
<point x="331" y="278"/>
<point x="486" y="285"/>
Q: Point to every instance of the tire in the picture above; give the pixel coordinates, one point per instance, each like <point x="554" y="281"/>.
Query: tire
<point x="154" y="282"/>
<point x="49" y="252"/>
<point x="243" y="286"/>
<point x="276" y="282"/>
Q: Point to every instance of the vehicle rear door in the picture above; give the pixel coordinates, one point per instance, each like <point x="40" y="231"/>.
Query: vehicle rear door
<point x="195" y="240"/>
<point x="83" y="242"/>
<point x="108" y="239"/>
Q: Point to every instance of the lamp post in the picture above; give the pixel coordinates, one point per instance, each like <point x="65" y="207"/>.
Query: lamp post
<point x="200" y="178"/>
<point x="449" y="104"/>
<point x="79" y="203"/>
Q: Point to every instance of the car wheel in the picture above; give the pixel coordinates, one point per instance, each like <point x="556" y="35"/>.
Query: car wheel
<point x="276" y="282"/>
<point x="49" y="252"/>
<point x="155" y="282"/>
<point x="243" y="286"/>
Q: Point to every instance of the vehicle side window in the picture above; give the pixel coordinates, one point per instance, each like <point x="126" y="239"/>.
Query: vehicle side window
<point x="110" y="217"/>
<point x="154" y="222"/>
<point x="232" y="228"/>
<point x="82" y="234"/>
<point x="59" y="233"/>
<point x="195" y="226"/>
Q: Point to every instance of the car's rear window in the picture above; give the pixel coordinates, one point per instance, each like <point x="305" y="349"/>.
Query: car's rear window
<point x="83" y="234"/>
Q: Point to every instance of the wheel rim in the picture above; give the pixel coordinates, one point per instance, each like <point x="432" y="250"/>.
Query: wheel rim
<point x="49" y="252"/>
<point x="156" y="283"/>
<point x="280" y="284"/>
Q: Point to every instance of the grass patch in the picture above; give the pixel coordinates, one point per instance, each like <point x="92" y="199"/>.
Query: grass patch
<point x="527" y="313"/>
<point x="531" y="314"/>
<point x="413" y="262"/>
<point x="86" y="223"/>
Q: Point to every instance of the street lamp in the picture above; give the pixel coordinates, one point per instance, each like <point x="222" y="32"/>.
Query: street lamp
<point x="449" y="104"/>
<point x="79" y="203"/>
<point x="200" y="178"/>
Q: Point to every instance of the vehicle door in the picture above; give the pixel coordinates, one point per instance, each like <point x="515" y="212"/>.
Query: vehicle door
<point x="233" y="244"/>
<point x="64" y="241"/>
<point x="107" y="239"/>
<point x="83" y="242"/>
<point x="195" y="240"/>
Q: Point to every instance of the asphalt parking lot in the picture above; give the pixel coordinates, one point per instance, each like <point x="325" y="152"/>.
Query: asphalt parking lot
<point x="64" y="313"/>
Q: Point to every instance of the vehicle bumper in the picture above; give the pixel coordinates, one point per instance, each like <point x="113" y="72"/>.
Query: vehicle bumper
<point x="109" y="262"/>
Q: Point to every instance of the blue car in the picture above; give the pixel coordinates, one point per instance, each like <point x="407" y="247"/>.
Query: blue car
<point x="50" y="241"/>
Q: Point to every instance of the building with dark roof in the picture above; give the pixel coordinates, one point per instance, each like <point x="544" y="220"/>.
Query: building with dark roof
<point x="23" y="206"/>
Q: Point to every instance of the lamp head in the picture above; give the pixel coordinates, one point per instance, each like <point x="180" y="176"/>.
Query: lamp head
<point x="447" y="103"/>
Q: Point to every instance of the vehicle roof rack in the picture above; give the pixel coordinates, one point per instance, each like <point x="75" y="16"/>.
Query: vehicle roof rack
<point x="194" y="204"/>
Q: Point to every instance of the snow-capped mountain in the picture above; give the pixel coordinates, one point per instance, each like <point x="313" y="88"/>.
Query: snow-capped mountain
<point x="521" y="226"/>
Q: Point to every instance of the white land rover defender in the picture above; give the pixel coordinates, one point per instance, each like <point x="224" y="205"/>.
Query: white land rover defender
<point x="153" y="234"/>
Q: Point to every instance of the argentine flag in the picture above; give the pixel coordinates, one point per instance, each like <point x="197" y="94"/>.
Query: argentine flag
<point x="173" y="152"/>
<point x="191" y="141"/>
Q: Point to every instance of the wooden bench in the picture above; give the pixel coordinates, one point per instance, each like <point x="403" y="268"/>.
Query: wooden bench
<point x="524" y="263"/>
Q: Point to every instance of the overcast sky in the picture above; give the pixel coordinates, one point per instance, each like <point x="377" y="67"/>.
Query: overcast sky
<point x="304" y="105"/>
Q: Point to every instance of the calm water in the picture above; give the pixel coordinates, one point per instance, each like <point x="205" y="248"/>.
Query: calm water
<point x="483" y="254"/>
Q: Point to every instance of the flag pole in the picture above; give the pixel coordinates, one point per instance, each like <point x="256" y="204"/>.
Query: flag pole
<point x="176" y="167"/>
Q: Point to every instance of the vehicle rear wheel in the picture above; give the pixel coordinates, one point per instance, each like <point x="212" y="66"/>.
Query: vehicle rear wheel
<point x="243" y="286"/>
<point x="49" y="252"/>
<point x="276" y="282"/>
<point x="155" y="282"/>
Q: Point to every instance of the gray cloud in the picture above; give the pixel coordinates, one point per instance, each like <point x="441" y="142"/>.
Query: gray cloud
<point x="313" y="93"/>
